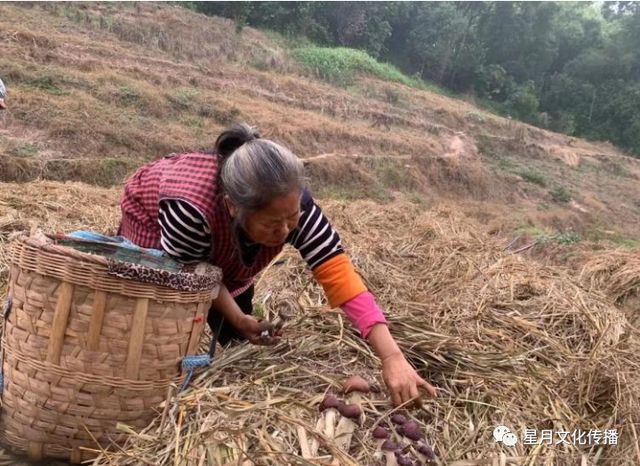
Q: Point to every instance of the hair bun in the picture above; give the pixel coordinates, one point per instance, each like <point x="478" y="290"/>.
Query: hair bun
<point x="233" y="137"/>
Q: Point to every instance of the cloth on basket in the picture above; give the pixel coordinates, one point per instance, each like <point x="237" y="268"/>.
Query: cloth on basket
<point x="130" y="261"/>
<point x="119" y="240"/>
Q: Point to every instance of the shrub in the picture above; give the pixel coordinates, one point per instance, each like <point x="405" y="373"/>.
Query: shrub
<point x="392" y="95"/>
<point x="532" y="177"/>
<point x="47" y="84"/>
<point x="25" y="150"/>
<point x="560" y="195"/>
<point x="339" y="65"/>
<point x="183" y="98"/>
<point x="567" y="237"/>
<point x="524" y="103"/>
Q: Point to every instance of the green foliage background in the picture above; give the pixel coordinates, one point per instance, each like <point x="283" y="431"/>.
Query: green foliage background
<point x="572" y="67"/>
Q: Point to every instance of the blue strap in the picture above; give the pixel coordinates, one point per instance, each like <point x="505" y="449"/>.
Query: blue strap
<point x="191" y="363"/>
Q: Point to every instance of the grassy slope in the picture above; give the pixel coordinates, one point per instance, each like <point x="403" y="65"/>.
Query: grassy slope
<point x="96" y="90"/>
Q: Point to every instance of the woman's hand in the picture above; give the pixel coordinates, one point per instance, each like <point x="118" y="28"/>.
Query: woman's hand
<point x="257" y="332"/>
<point x="402" y="380"/>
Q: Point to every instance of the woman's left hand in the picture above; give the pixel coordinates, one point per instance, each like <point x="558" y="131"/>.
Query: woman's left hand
<point x="402" y="380"/>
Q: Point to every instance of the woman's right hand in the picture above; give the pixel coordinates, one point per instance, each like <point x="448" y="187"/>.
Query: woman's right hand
<point x="257" y="332"/>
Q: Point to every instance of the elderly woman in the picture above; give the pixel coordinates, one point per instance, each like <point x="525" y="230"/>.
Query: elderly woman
<point x="236" y="208"/>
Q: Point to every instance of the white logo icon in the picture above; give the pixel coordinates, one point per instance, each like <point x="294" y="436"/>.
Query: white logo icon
<point x="503" y="434"/>
<point x="509" y="439"/>
<point x="498" y="432"/>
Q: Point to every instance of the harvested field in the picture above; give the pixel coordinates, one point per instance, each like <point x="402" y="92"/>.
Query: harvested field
<point x="492" y="247"/>
<point x="507" y="341"/>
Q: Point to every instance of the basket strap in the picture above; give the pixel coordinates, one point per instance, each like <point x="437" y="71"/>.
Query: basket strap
<point x="5" y="315"/>
<point x="190" y="363"/>
<point x="7" y="308"/>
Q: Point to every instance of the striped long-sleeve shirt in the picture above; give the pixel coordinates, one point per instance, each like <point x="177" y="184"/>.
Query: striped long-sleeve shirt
<point x="186" y="236"/>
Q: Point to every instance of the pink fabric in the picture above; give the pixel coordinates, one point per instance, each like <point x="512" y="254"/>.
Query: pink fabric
<point x="363" y="312"/>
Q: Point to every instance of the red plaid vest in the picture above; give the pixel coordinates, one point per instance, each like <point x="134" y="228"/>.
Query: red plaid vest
<point x="192" y="178"/>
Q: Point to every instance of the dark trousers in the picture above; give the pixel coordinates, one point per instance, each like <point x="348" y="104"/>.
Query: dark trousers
<point x="223" y="330"/>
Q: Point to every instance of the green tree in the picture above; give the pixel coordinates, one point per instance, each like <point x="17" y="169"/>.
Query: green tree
<point x="570" y="66"/>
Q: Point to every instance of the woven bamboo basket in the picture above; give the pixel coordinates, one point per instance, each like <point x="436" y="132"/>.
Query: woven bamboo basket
<point x="85" y="350"/>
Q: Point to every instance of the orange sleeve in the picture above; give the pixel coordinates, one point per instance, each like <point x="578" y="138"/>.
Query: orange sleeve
<point x="339" y="280"/>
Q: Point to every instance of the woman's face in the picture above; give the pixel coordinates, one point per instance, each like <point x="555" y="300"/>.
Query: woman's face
<point x="271" y="225"/>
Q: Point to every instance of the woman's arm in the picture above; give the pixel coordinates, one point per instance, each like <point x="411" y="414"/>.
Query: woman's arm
<point x="320" y="246"/>
<point x="402" y="380"/>
<point x="228" y="308"/>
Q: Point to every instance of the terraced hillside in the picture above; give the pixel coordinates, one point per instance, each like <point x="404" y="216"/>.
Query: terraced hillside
<point x="505" y="256"/>
<point x="98" y="89"/>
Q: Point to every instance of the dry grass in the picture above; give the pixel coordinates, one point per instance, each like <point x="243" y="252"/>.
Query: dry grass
<point x="506" y="340"/>
<point x="91" y="81"/>
<point x="56" y="207"/>
<point x="616" y="273"/>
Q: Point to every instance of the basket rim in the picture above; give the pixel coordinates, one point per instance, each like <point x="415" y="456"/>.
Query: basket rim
<point x="38" y="254"/>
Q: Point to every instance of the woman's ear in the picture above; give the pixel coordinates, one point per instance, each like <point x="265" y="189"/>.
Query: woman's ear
<point x="233" y="210"/>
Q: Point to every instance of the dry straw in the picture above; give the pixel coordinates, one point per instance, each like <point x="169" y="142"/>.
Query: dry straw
<point x="616" y="273"/>
<point x="506" y="340"/>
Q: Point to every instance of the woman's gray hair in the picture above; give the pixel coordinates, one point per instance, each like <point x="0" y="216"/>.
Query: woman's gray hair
<point x="256" y="171"/>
